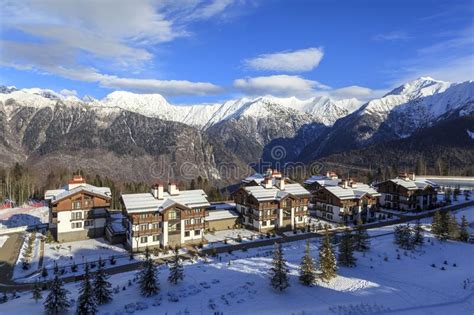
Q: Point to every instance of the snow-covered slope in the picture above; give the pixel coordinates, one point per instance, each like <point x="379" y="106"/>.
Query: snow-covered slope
<point x="322" y="109"/>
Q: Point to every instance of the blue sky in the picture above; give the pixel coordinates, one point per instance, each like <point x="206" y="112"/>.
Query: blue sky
<point x="194" y="51"/>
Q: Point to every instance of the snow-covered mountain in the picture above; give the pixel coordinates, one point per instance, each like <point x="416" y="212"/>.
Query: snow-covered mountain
<point x="398" y="114"/>
<point x="322" y="109"/>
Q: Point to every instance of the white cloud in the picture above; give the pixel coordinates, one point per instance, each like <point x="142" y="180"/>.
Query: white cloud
<point x="289" y="61"/>
<point x="278" y="85"/>
<point x="67" y="92"/>
<point x="392" y="36"/>
<point x="354" y="91"/>
<point x="74" y="39"/>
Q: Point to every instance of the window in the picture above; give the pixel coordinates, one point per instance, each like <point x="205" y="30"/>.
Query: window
<point x="143" y="227"/>
<point x="76" y="204"/>
<point x="87" y="201"/>
<point x="155" y="226"/>
<point x="187" y="222"/>
<point x="187" y="234"/>
<point x="197" y="210"/>
<point x="264" y="223"/>
<point x="88" y="223"/>
<point x="156" y="238"/>
<point x="172" y="215"/>
<point x="197" y="232"/>
<point x="76" y="225"/>
<point x="143" y="239"/>
<point x="76" y="215"/>
<point x="173" y="227"/>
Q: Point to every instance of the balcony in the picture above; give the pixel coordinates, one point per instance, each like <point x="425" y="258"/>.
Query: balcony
<point x="196" y="226"/>
<point x="146" y="232"/>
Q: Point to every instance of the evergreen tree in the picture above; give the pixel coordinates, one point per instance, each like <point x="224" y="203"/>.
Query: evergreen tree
<point x="57" y="300"/>
<point x="102" y="287"/>
<point x="463" y="232"/>
<point x="279" y="270"/>
<point x="439" y="227"/>
<point x="361" y="239"/>
<point x="453" y="227"/>
<point x="148" y="277"/>
<point x="37" y="292"/>
<point x="418" y="238"/>
<point x="86" y="302"/>
<point x="327" y="260"/>
<point x="307" y="268"/>
<point x="346" y="251"/>
<point x="403" y="236"/>
<point x="176" y="269"/>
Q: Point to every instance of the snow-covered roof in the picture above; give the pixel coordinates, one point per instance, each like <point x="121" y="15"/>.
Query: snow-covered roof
<point x="58" y="194"/>
<point x="414" y="184"/>
<point x="146" y="202"/>
<point x="221" y="214"/>
<point x="275" y="193"/>
<point x="257" y="177"/>
<point x="322" y="180"/>
<point x="352" y="192"/>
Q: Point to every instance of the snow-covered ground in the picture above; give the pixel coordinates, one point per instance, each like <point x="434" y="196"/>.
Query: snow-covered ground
<point x="238" y="284"/>
<point x="21" y="216"/>
<point x="19" y="272"/>
<point x="64" y="254"/>
<point x="220" y="236"/>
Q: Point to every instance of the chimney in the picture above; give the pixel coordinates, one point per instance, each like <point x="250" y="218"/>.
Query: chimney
<point x="268" y="182"/>
<point x="157" y="191"/>
<point x="172" y="189"/>
<point x="344" y="183"/>
<point x="412" y="176"/>
<point x="281" y="183"/>
<point x="76" y="181"/>
<point x="352" y="184"/>
<point x="269" y="172"/>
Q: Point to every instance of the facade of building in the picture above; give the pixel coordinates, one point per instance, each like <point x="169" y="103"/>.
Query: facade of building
<point x="272" y="203"/>
<point x="165" y="218"/>
<point x="78" y="210"/>
<point x="345" y="202"/>
<point x="407" y="193"/>
<point x="222" y="216"/>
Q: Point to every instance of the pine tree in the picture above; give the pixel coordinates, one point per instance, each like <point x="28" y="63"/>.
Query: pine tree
<point x="86" y="302"/>
<point x="327" y="260"/>
<point x="102" y="287"/>
<point x="37" y="292"/>
<point x="307" y="268"/>
<point x="361" y="239"/>
<point x="279" y="270"/>
<point x="148" y="277"/>
<point x="463" y="232"/>
<point x="57" y="300"/>
<point x="403" y="236"/>
<point x="439" y="227"/>
<point x="346" y="251"/>
<point x="418" y="238"/>
<point x="176" y="269"/>
<point x="453" y="227"/>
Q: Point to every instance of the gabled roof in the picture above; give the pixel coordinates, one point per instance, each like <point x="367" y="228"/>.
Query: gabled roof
<point x="145" y="202"/>
<point x="352" y="192"/>
<point x="412" y="184"/>
<point x="267" y="194"/>
<point x="59" y="194"/>
<point x="322" y="180"/>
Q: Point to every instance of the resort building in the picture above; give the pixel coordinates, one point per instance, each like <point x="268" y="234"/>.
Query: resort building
<point x="78" y="210"/>
<point x="346" y="202"/>
<point x="272" y="203"/>
<point x="407" y="193"/>
<point x="165" y="218"/>
<point x="316" y="182"/>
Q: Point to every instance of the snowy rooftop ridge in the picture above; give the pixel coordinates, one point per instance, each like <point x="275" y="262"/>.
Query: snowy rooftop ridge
<point x="146" y="202"/>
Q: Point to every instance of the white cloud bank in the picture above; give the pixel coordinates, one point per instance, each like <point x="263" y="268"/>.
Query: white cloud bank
<point x="288" y="61"/>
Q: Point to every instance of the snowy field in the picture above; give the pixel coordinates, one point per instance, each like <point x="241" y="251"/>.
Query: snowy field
<point x="21" y="216"/>
<point x="238" y="284"/>
<point x="64" y="254"/>
<point x="220" y="236"/>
